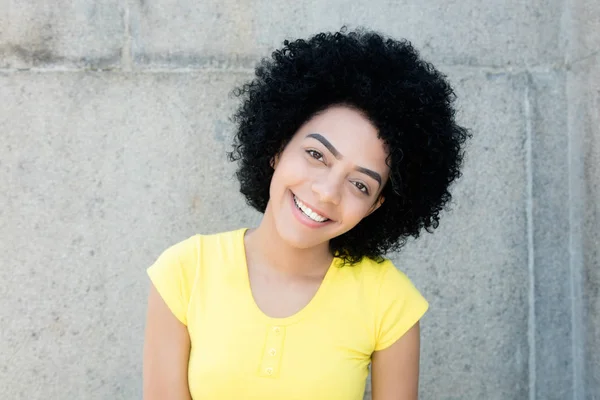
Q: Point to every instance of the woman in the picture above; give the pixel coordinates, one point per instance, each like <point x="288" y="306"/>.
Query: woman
<point x="347" y="143"/>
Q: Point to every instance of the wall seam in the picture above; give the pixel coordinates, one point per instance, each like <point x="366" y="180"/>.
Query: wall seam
<point x="530" y="239"/>
<point x="576" y="193"/>
<point x="250" y="69"/>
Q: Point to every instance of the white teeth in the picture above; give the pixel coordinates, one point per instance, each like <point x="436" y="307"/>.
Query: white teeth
<point x="308" y="212"/>
<point x="314" y="216"/>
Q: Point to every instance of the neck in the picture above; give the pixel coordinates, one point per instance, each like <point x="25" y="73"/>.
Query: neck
<point x="265" y="246"/>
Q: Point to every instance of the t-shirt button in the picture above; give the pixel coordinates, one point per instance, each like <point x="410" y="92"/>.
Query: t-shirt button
<point x="269" y="371"/>
<point x="277" y="330"/>
<point x="272" y="352"/>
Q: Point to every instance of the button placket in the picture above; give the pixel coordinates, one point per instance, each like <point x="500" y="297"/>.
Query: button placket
<point x="273" y="349"/>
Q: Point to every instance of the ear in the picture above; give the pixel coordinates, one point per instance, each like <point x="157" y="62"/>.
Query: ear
<point x="376" y="205"/>
<point x="274" y="161"/>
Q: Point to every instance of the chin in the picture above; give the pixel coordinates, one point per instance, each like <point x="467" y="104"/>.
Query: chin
<point x="297" y="239"/>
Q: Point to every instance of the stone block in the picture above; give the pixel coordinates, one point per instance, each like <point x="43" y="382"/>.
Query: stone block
<point x="235" y="33"/>
<point x="583" y="95"/>
<point x="591" y="233"/>
<point x="61" y="33"/>
<point x="584" y="131"/>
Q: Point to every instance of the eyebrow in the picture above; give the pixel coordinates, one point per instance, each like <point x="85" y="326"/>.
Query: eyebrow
<point x="339" y="156"/>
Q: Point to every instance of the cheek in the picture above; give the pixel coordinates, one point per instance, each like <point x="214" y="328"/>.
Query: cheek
<point x="293" y="166"/>
<point x="289" y="171"/>
<point x="356" y="209"/>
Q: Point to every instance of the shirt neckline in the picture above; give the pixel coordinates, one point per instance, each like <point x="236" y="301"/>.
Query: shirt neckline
<point x="302" y="313"/>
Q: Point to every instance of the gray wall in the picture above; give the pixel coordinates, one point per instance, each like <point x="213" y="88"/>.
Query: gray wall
<point x="113" y="129"/>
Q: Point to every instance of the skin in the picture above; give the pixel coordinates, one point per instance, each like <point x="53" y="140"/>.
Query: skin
<point x="166" y="353"/>
<point x="336" y="164"/>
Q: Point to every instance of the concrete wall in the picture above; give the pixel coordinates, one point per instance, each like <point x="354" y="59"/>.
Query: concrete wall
<point x="113" y="129"/>
<point x="583" y="116"/>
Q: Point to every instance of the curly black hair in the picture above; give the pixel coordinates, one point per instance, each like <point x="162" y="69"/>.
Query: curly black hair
<point x="405" y="98"/>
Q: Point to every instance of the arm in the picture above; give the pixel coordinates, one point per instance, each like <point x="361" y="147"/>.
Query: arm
<point x="395" y="370"/>
<point x="166" y="353"/>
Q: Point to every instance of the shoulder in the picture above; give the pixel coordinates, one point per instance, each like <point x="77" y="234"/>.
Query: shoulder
<point x="383" y="285"/>
<point x="185" y="255"/>
<point x="182" y="248"/>
<point x="394" y="286"/>
<point x="398" y="305"/>
<point x="380" y="275"/>
<point x="177" y="269"/>
<point x="392" y="277"/>
<point x="391" y="302"/>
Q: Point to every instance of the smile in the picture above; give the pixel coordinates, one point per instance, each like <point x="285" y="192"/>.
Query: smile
<point x="308" y="212"/>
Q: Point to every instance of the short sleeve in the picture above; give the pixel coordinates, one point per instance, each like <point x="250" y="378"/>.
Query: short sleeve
<point x="173" y="275"/>
<point x="400" y="306"/>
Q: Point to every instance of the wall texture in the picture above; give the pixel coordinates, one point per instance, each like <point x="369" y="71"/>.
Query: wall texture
<point x="113" y="131"/>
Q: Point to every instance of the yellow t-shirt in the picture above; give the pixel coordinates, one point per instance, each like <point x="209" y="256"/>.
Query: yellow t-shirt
<point x="321" y="352"/>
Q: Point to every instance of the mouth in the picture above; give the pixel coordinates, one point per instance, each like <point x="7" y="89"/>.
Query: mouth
<point x="308" y="212"/>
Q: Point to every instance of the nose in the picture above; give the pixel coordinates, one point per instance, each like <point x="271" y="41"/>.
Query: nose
<point x="327" y="188"/>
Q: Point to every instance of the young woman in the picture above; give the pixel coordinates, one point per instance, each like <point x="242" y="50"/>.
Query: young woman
<point x="347" y="143"/>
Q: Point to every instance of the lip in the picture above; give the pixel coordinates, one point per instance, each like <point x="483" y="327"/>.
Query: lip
<point x="304" y="218"/>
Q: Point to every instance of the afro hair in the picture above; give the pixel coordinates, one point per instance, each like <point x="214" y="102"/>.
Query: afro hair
<point x="407" y="100"/>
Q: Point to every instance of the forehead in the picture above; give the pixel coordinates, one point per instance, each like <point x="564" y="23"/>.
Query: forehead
<point x="351" y="133"/>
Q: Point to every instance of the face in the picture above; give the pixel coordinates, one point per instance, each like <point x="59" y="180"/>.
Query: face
<point x="328" y="178"/>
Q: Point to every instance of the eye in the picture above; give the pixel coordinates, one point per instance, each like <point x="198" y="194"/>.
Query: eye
<point x="362" y="187"/>
<point x="315" y="154"/>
